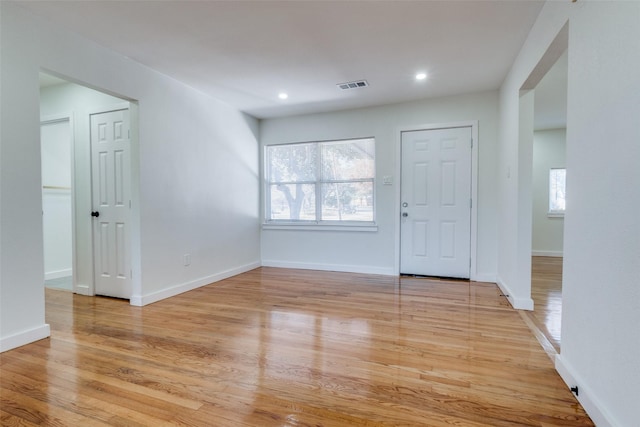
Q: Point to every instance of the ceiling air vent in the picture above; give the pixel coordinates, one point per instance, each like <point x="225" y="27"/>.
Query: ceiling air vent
<point x="353" y="85"/>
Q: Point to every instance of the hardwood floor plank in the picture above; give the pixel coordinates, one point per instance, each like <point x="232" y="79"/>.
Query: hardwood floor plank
<point x="279" y="347"/>
<point x="7" y="419"/>
<point x="546" y="292"/>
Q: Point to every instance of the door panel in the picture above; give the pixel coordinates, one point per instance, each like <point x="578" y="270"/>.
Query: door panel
<point x="447" y="239"/>
<point x="435" y="230"/>
<point x="110" y="150"/>
<point x="421" y="192"/>
<point x="103" y="255"/>
<point x="121" y="250"/>
<point x="420" y="238"/>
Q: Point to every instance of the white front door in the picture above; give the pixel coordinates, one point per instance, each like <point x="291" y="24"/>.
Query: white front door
<point x="111" y="199"/>
<point x="435" y="226"/>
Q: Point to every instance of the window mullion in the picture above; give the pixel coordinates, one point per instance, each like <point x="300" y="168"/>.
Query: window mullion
<point x="267" y="184"/>
<point x="318" y="185"/>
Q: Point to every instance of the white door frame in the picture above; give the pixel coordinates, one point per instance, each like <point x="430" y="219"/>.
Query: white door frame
<point x="474" y="187"/>
<point x="134" y="253"/>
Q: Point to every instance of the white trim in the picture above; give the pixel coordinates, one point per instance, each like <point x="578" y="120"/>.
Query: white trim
<point x="587" y="398"/>
<point x="124" y="105"/>
<point x="343" y="268"/>
<point x="142" y="300"/>
<point x="24" y="337"/>
<point x="82" y="289"/>
<point x="473" y="124"/>
<point x="557" y="254"/>
<point x="317" y="227"/>
<point x="488" y="278"/>
<point x="54" y="118"/>
<point x="135" y="245"/>
<point x="516" y="302"/>
<point x="58" y="274"/>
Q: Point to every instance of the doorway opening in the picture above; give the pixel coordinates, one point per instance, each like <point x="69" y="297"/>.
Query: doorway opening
<point x="67" y="176"/>
<point x="543" y="138"/>
<point x="548" y="185"/>
<point x="57" y="203"/>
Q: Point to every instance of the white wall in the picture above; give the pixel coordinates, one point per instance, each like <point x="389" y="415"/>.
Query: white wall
<point x="601" y="296"/>
<point x="376" y="252"/>
<point x="78" y="103"/>
<point x="549" y="148"/>
<point x="195" y="173"/>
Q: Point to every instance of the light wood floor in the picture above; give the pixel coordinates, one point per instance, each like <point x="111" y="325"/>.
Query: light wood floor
<point x="277" y="347"/>
<point x="546" y="292"/>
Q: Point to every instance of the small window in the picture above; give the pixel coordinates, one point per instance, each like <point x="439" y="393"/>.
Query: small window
<point x="329" y="182"/>
<point x="557" y="185"/>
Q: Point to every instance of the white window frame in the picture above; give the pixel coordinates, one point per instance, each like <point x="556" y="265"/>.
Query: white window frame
<point x="344" y="225"/>
<point x="556" y="213"/>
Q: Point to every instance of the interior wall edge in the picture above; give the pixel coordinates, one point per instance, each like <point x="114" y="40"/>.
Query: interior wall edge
<point x="517" y="301"/>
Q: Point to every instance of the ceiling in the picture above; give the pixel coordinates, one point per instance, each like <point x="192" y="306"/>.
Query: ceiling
<point x="247" y="52"/>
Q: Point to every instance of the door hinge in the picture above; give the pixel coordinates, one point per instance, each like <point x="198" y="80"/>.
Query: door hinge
<point x="471" y="203"/>
<point x="472" y="143"/>
<point x="469" y="262"/>
<point x="131" y="273"/>
<point x="129" y="204"/>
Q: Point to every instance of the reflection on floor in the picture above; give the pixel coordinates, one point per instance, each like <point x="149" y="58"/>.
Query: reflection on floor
<point x="64" y="283"/>
<point x="546" y="291"/>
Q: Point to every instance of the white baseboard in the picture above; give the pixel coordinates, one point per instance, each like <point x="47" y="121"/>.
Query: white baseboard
<point x="586" y="397"/>
<point x="519" y="303"/>
<point x="343" y="268"/>
<point x="489" y="278"/>
<point x="557" y="254"/>
<point x="81" y="289"/>
<point x="141" y="300"/>
<point x="24" y="338"/>
<point x="58" y="274"/>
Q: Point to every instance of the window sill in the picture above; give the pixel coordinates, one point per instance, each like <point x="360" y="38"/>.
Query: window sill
<point x="555" y="214"/>
<point x="369" y="227"/>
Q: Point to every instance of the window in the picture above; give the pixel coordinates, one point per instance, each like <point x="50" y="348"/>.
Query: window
<point x="328" y="182"/>
<point x="557" y="184"/>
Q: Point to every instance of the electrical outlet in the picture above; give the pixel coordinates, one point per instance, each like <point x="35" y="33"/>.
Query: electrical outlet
<point x="186" y="260"/>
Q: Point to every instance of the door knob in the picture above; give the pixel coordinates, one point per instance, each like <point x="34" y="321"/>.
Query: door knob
<point x="95" y="214"/>
<point x="404" y="214"/>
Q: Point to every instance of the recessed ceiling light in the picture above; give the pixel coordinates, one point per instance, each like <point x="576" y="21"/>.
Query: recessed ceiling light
<point x="283" y="95"/>
<point x="421" y="76"/>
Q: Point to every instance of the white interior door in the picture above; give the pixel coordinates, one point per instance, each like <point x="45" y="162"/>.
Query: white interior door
<point x="111" y="199"/>
<point x="435" y="227"/>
